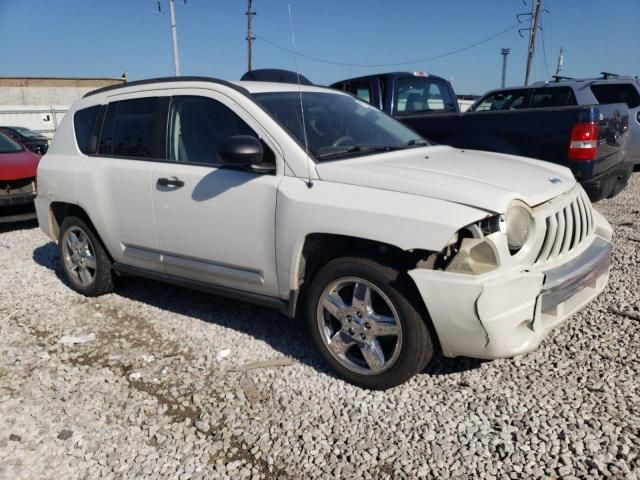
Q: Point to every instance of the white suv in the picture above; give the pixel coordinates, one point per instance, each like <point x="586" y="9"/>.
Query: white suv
<point x="311" y="201"/>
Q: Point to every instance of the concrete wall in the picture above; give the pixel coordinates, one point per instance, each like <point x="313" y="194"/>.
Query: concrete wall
<point x="40" y="118"/>
<point x="40" y="103"/>
<point x="48" y="91"/>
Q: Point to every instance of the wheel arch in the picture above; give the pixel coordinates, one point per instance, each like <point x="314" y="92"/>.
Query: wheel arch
<point x="318" y="248"/>
<point x="58" y="211"/>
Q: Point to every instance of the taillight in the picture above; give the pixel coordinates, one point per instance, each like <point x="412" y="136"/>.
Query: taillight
<point x="584" y="141"/>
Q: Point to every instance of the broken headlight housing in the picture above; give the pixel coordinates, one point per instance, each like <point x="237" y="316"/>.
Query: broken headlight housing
<point x="517" y="224"/>
<point x="474" y="253"/>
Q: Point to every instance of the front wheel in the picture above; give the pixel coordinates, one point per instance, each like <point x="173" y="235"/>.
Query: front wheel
<point x="362" y="320"/>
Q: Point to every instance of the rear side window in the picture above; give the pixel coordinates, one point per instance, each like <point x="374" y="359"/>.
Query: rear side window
<point x="361" y="89"/>
<point x="133" y="128"/>
<point x="420" y="95"/>
<point x="553" y="97"/>
<point x="616" y="93"/>
<point x="504" y="100"/>
<point x="84" y="124"/>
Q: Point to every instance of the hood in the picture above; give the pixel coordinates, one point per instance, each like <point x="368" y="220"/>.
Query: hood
<point x="480" y="179"/>
<point x="18" y="165"/>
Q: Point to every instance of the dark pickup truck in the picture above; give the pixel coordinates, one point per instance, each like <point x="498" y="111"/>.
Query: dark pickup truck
<point x="588" y="139"/>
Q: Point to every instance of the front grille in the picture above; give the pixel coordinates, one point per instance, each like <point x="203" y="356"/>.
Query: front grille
<point x="567" y="228"/>
<point x="22" y="185"/>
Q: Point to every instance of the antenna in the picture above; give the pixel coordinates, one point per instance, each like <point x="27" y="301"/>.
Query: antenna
<point x="304" y="125"/>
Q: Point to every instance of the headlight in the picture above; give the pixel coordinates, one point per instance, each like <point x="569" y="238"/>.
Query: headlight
<point x="519" y="226"/>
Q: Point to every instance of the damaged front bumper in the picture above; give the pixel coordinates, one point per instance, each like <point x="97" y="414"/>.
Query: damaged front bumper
<point x="509" y="311"/>
<point x="16" y="199"/>
<point x="17" y="205"/>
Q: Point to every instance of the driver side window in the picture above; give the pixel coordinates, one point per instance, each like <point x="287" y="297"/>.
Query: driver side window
<point x="198" y="126"/>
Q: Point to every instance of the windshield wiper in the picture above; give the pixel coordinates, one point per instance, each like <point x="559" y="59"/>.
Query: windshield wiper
<point x="357" y="149"/>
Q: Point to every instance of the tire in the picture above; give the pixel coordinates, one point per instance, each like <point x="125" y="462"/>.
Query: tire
<point x="344" y="326"/>
<point x="80" y="249"/>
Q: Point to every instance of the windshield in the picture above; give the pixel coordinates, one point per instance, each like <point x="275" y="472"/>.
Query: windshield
<point x="338" y="126"/>
<point x="25" y="132"/>
<point x="8" y="146"/>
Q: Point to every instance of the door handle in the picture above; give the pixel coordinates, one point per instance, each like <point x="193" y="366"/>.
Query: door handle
<point x="171" y="182"/>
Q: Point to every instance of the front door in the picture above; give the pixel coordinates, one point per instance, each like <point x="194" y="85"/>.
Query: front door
<point x="215" y="224"/>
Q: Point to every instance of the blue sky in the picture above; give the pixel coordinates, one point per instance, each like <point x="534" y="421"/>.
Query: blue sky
<point x="106" y="37"/>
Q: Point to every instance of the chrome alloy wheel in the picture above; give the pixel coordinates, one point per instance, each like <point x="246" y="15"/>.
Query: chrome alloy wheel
<point x="359" y="325"/>
<point x="79" y="256"/>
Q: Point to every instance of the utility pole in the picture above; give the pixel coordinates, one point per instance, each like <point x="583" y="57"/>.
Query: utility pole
<point x="560" y="61"/>
<point x="535" y="15"/>
<point x="174" y="36"/>
<point x="250" y="37"/>
<point x="504" y="52"/>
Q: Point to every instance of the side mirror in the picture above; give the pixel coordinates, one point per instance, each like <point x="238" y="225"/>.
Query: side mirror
<point x="241" y="151"/>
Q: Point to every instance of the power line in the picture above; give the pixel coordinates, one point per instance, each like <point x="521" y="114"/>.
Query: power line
<point x="535" y="16"/>
<point x="544" y="50"/>
<point x="250" y="36"/>
<point x="372" y="65"/>
<point x="174" y="35"/>
<point x="174" y="39"/>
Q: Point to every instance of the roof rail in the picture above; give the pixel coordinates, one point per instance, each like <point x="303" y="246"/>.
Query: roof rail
<point x="607" y="75"/>
<point x="559" y="78"/>
<point x="167" y="79"/>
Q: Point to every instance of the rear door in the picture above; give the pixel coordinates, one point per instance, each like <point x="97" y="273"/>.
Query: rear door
<point x="215" y="224"/>
<point x="114" y="183"/>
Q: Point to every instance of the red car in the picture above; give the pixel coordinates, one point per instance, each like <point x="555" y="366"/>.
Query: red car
<point x="18" y="168"/>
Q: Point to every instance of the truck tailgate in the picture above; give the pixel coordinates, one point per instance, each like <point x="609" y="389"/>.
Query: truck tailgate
<point x="613" y="122"/>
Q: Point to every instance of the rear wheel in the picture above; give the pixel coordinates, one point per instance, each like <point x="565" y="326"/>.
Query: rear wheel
<point x="84" y="259"/>
<point x="362" y="321"/>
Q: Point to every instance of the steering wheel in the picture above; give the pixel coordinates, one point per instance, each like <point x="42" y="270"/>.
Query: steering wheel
<point x="344" y="141"/>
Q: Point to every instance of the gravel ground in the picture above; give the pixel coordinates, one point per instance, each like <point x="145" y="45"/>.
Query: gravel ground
<point x="166" y="385"/>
